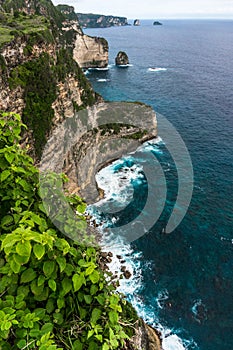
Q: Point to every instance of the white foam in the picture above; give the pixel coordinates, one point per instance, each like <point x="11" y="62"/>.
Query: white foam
<point x="172" y="342"/>
<point x="104" y="69"/>
<point x="98" y="69"/>
<point x="124" y="65"/>
<point x="102" y="80"/>
<point x="157" y="69"/>
<point x="117" y="186"/>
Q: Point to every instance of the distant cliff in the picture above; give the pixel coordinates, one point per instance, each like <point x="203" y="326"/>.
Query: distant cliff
<point x="89" y="52"/>
<point x="91" y="20"/>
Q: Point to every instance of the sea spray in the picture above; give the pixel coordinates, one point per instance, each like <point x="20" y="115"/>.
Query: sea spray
<point x="116" y="180"/>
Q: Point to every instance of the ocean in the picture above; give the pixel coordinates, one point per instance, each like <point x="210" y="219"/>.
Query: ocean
<point x="182" y="282"/>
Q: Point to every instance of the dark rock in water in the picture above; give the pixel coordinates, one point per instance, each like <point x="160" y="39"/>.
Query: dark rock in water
<point x="157" y="23"/>
<point x="122" y="59"/>
<point x="127" y="274"/>
<point x="136" y="22"/>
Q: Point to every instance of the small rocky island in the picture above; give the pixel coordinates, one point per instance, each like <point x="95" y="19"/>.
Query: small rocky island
<point x="122" y="59"/>
<point x="136" y="22"/>
<point x="157" y="23"/>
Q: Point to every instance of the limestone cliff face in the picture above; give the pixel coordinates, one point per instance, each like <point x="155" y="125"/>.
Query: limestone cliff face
<point x="39" y="78"/>
<point x="13" y="54"/>
<point x="91" y="52"/>
<point x="146" y="337"/>
<point x="84" y="144"/>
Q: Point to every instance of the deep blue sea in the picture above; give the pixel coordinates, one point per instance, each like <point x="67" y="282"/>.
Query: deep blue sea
<point x="183" y="281"/>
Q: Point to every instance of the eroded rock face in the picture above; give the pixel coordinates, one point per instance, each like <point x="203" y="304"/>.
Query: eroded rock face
<point x="122" y="59"/>
<point x="91" y="52"/>
<point x="84" y="144"/>
<point x="136" y="22"/>
<point x="146" y="337"/>
<point x="13" y="54"/>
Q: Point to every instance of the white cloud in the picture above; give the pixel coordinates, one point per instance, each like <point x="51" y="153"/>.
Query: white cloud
<point x="154" y="9"/>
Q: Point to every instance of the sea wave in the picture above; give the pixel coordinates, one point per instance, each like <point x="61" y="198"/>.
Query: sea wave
<point x="116" y="181"/>
<point x="156" y="69"/>
<point x="102" y="80"/>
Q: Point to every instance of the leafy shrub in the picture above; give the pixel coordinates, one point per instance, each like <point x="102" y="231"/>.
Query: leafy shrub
<point x="53" y="294"/>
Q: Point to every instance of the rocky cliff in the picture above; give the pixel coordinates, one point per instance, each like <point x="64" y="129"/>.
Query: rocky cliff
<point x="90" y="20"/>
<point x="84" y="144"/>
<point x="39" y="78"/>
<point x="89" y="52"/>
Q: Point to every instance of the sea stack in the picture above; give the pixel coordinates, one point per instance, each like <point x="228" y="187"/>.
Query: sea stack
<point x="136" y="22"/>
<point x="122" y="59"/>
<point x="157" y="23"/>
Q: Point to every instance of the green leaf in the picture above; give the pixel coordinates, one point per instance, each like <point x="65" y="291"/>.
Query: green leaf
<point x="21" y="259"/>
<point x="24" y="184"/>
<point x="77" y="345"/>
<point x="58" y="318"/>
<point x="88" y="299"/>
<point x="90" y="333"/>
<point x="46" y="328"/>
<point x="94" y="277"/>
<point x="15" y="267"/>
<point x="101" y="299"/>
<point x="105" y="347"/>
<point x="41" y="280"/>
<point x="95" y="315"/>
<point x="39" y="251"/>
<point x="78" y="281"/>
<point x="5" y="174"/>
<point x="9" y="157"/>
<point x="52" y="285"/>
<point x="66" y="285"/>
<point x="36" y="290"/>
<point x="7" y="221"/>
<point x="28" y="276"/>
<point x="48" y="267"/>
<point x="61" y="262"/>
<point x="94" y="289"/>
<point x="60" y="303"/>
<point x="81" y="208"/>
<point x="24" y="249"/>
<point x="90" y="269"/>
<point x="113" y="317"/>
<point x="21" y="344"/>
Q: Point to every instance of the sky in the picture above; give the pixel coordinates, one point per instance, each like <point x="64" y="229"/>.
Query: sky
<point x="154" y="9"/>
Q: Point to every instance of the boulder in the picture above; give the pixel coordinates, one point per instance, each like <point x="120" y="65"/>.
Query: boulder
<point x="136" y="22"/>
<point x="157" y="23"/>
<point x="122" y="59"/>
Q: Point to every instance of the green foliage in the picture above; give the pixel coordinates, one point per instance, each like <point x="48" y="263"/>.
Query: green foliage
<point x="53" y="294"/>
<point x="18" y="24"/>
<point x="39" y="83"/>
<point x="42" y="7"/>
<point x="39" y="77"/>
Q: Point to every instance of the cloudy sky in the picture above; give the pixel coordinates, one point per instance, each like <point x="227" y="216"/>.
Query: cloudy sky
<point x="155" y="8"/>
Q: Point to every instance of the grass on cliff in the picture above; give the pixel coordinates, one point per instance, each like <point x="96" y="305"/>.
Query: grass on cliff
<point x="12" y="26"/>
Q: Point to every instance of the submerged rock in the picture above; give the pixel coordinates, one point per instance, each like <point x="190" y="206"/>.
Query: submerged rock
<point x="122" y="59"/>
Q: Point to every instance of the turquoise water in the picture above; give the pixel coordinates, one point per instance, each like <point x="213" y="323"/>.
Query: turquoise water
<point x="187" y="276"/>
